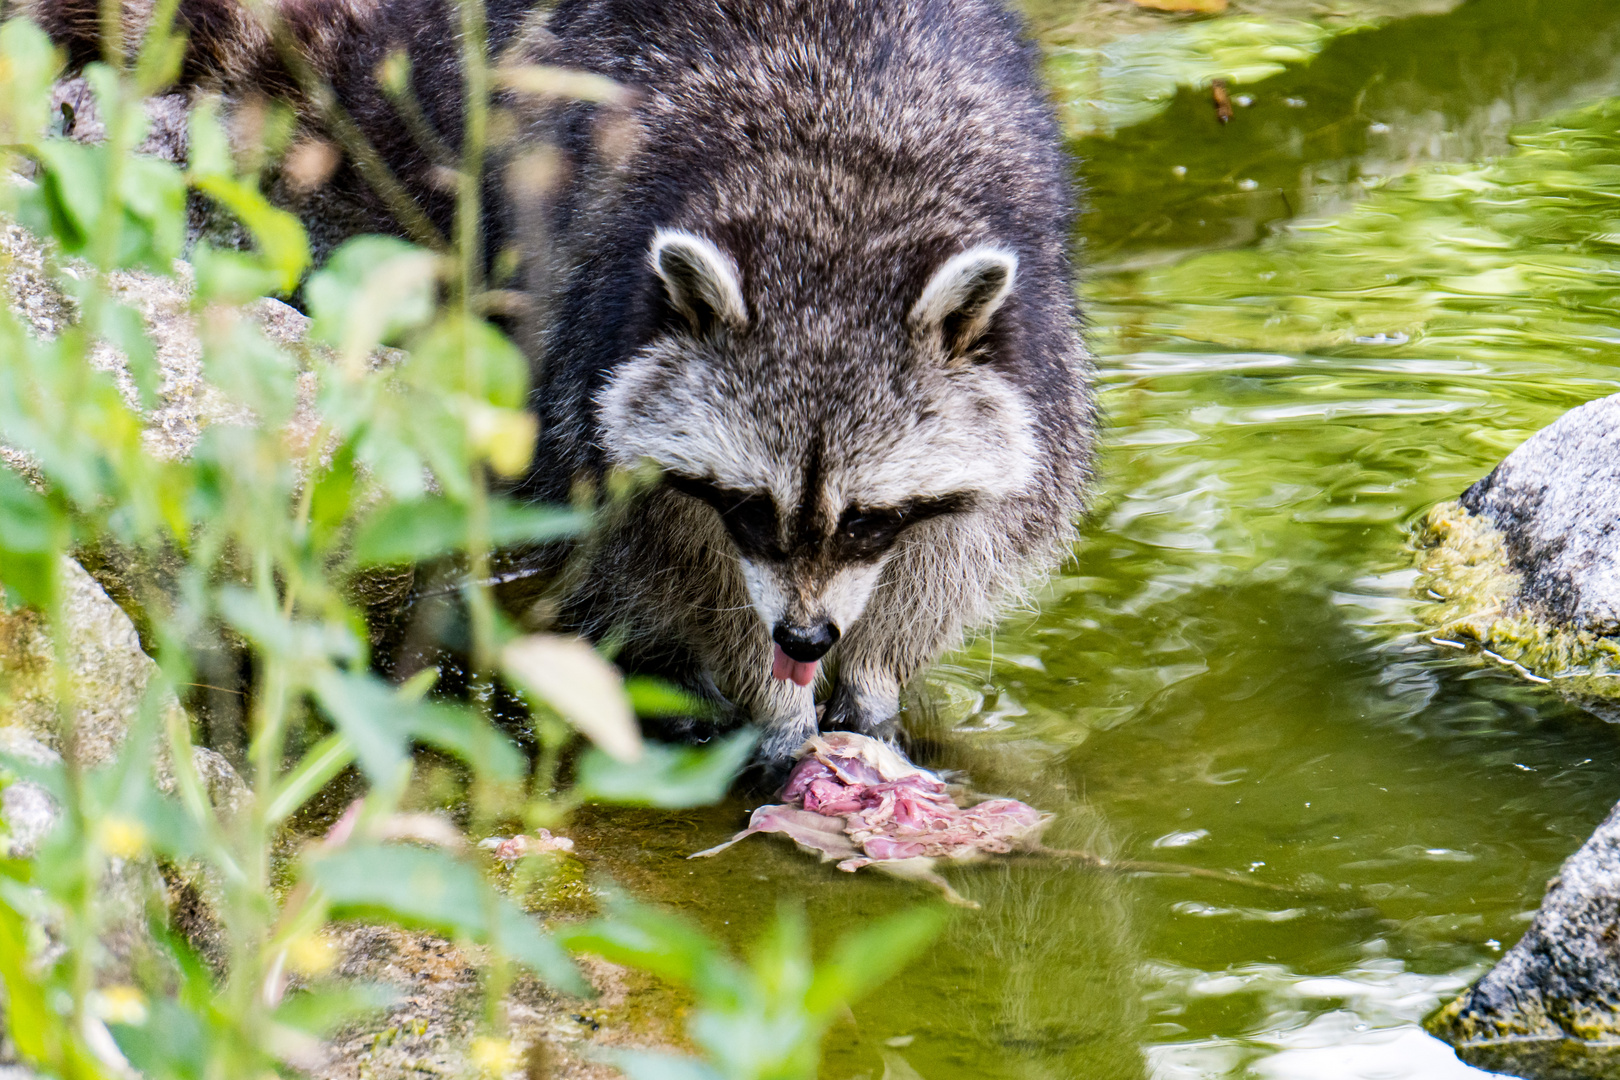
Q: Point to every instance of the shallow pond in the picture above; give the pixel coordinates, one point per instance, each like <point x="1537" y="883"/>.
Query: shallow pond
<point x="1230" y="673"/>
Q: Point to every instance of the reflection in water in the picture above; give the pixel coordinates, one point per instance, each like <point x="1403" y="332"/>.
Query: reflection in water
<point x="1371" y="106"/>
<point x="1229" y="673"/>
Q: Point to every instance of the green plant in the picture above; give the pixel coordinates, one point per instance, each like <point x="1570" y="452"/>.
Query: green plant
<point x="257" y="534"/>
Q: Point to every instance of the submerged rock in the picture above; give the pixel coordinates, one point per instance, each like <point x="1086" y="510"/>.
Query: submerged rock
<point x="1526" y="564"/>
<point x="1550" y="1008"/>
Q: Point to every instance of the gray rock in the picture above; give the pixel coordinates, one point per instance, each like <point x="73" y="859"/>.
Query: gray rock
<point x="1556" y="502"/>
<point x="108" y="672"/>
<point x="1527" y="563"/>
<point x="1551" y="1007"/>
<point x="27" y="809"/>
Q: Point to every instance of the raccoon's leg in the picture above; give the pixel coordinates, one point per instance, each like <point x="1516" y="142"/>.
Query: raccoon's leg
<point x="907" y="624"/>
<point x="947" y="575"/>
<point x="866" y="699"/>
<point x="784" y="712"/>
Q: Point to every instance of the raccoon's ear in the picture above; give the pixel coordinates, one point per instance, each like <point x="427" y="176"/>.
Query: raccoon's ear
<point x="964" y="294"/>
<point x="700" y="279"/>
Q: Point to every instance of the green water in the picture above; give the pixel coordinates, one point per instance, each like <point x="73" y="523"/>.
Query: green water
<point x="1230" y="672"/>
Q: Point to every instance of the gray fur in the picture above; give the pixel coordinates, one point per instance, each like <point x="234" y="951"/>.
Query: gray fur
<point x="818" y="265"/>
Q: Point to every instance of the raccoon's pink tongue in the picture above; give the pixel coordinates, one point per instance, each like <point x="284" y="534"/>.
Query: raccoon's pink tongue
<point x="784" y="666"/>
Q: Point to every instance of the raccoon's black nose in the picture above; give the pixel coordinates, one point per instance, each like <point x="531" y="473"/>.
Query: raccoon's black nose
<point x="805" y="643"/>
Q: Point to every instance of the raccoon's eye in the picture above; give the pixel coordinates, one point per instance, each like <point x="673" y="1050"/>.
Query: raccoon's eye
<point x="865" y="533"/>
<point x="749" y="516"/>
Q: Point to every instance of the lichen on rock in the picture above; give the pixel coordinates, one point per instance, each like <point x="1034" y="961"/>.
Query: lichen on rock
<point x="1525" y="567"/>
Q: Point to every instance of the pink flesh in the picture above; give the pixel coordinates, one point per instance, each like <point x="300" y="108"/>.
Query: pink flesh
<point x="784" y="666"/>
<point x="857" y="802"/>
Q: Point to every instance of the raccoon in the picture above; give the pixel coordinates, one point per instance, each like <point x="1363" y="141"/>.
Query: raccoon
<point x="816" y="271"/>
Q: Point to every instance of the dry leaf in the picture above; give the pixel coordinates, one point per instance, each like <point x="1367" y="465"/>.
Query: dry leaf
<point x="585" y="689"/>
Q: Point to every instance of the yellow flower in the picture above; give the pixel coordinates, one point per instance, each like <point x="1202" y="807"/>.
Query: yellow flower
<point x="120" y="1005"/>
<point x="122" y="837"/>
<point x="493" y="1056"/>
<point x="504" y="436"/>
<point x="311" y="954"/>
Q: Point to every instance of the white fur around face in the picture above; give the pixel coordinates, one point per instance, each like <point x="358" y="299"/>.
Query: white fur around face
<point x="766" y="591"/>
<point x="978" y="438"/>
<point x="670" y="406"/>
<point x="845" y="595"/>
<point x="841" y="599"/>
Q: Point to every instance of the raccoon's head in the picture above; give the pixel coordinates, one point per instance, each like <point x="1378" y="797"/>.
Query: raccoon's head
<point x="826" y="432"/>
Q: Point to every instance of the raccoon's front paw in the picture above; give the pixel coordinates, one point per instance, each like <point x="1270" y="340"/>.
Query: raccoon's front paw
<point x="780" y="744"/>
<point x="874" y="714"/>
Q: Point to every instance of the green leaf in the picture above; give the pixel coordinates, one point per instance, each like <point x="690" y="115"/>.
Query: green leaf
<point x="154" y="196"/>
<point x="302" y="642"/>
<point x="208" y="147"/>
<point x="449" y="354"/>
<point x="124" y="327"/>
<point x="370" y="292"/>
<point x="253" y="371"/>
<point x="406" y="532"/>
<point x="466" y="734"/>
<point x="584" y="689"/>
<point x="322" y="1011"/>
<point x="72" y="183"/>
<point x="31" y="1021"/>
<point x="432" y="890"/>
<point x="314" y="770"/>
<point x="670" y="777"/>
<point x="512" y="523"/>
<point x="42" y="1034"/>
<point x="28" y="67"/>
<point x="657" y="697"/>
<point x="668" y="946"/>
<point x="380" y="721"/>
<point x="870" y="955"/>
<point x="173" y="1044"/>
<point x="332" y="497"/>
<point x="279" y="235"/>
<point x="366" y="711"/>
<point x="414" y="531"/>
<point x="232" y="277"/>
<point x="31" y="535"/>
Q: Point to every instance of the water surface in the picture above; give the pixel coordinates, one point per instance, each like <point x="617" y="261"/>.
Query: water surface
<point x="1229" y="674"/>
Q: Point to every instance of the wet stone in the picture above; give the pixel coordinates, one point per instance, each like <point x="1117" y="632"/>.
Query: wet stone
<point x="1554" y="500"/>
<point x="1526" y="564"/>
<point x="1551" y="1008"/>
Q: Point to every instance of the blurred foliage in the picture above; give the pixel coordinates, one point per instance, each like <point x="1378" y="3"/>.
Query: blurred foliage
<point x="263" y="527"/>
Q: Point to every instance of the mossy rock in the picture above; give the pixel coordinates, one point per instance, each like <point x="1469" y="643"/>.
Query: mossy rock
<point x="1550" y="1009"/>
<point x="1480" y="603"/>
